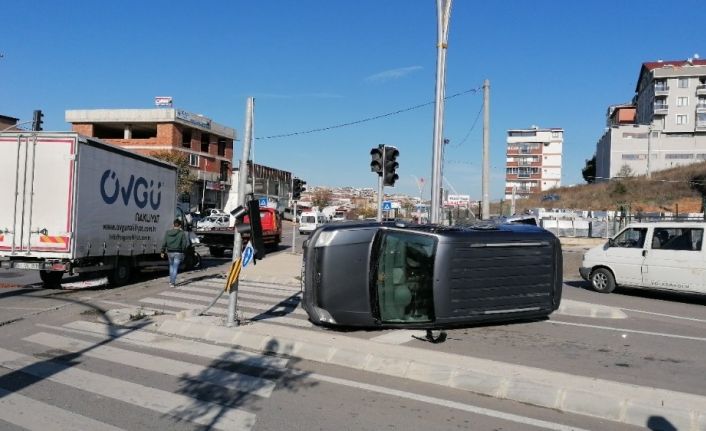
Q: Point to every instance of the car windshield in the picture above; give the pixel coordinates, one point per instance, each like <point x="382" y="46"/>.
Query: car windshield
<point x="403" y="284"/>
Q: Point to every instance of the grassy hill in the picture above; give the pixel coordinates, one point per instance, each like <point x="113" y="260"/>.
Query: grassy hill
<point x="667" y="190"/>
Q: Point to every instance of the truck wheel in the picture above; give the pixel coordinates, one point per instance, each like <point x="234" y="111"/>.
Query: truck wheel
<point x="51" y="279"/>
<point x="602" y="280"/>
<point x="121" y="273"/>
<point x="215" y="251"/>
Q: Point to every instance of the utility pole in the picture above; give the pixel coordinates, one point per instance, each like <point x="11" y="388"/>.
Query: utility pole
<point x="512" y="207"/>
<point x="443" y="12"/>
<point x="649" y="150"/>
<point x="486" y="150"/>
<point x="242" y="183"/>
<point x="294" y="224"/>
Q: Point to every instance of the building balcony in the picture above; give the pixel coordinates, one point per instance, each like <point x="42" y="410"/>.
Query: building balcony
<point x="661" y="90"/>
<point x="701" y="90"/>
<point x="701" y="107"/>
<point x="701" y="126"/>
<point x="661" y="109"/>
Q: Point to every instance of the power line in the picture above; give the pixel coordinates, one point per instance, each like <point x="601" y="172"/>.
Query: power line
<point x="471" y="129"/>
<point x="365" y="120"/>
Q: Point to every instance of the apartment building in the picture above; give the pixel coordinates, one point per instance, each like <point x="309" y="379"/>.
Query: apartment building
<point x="207" y="144"/>
<point x="533" y="160"/>
<point x="668" y="127"/>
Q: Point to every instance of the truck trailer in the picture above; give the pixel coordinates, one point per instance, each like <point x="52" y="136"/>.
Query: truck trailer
<point x="77" y="205"/>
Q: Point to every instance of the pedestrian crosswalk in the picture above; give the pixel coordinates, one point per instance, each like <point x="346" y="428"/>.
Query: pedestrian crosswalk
<point x="166" y="380"/>
<point x="278" y="304"/>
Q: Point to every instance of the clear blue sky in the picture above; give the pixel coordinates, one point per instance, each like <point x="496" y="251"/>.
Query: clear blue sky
<point x="312" y="64"/>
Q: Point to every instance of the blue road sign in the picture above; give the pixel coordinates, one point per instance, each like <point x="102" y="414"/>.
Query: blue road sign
<point x="386" y="205"/>
<point x="248" y="254"/>
<point x="263" y="202"/>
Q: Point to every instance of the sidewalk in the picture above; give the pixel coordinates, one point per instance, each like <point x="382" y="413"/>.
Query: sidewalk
<point x="621" y="402"/>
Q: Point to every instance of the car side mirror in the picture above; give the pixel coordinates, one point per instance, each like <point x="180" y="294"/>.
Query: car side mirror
<point x="611" y="242"/>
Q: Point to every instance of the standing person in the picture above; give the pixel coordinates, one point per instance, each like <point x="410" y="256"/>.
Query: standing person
<point x="175" y="244"/>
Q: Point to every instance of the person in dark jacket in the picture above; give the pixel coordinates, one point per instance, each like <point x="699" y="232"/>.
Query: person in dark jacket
<point x="174" y="245"/>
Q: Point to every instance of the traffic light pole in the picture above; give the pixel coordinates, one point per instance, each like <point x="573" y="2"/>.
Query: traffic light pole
<point x="242" y="180"/>
<point x="380" y="198"/>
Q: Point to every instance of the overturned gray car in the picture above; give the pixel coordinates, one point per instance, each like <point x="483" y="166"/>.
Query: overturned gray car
<point x="394" y="275"/>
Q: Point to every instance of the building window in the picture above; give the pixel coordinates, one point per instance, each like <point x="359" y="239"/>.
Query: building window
<point x="634" y="156"/>
<point x="221" y="147"/>
<point x="186" y="138"/>
<point x="683" y="82"/>
<point x="556" y="134"/>
<point x="701" y="119"/>
<point x="194" y="160"/>
<point x="682" y="119"/>
<point x="205" y="141"/>
<point x="678" y="156"/>
<point x="682" y="101"/>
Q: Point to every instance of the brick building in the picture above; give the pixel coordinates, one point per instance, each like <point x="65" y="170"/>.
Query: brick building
<point x="207" y="144"/>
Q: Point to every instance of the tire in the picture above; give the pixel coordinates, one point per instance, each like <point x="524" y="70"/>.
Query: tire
<point x="216" y="251"/>
<point x="51" y="279"/>
<point x="602" y="280"/>
<point x="121" y="274"/>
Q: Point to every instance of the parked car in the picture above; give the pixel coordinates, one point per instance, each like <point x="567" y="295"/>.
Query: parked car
<point x="394" y="275"/>
<point x="660" y="255"/>
<point x="214" y="221"/>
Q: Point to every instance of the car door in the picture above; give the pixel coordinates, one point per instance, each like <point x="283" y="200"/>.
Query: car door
<point x="676" y="261"/>
<point x="624" y="255"/>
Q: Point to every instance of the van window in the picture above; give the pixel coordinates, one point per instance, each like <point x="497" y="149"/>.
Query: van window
<point x="403" y="283"/>
<point x="631" y="238"/>
<point x="689" y="239"/>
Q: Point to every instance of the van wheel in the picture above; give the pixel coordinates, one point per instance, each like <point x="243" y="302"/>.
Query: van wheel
<point x="51" y="279"/>
<point x="121" y="273"/>
<point x="602" y="280"/>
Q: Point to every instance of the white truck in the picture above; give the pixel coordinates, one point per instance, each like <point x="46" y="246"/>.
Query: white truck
<point x="72" y="204"/>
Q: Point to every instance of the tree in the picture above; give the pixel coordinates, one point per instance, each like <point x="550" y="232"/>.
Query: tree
<point x="321" y="198"/>
<point x="698" y="184"/>
<point x="185" y="178"/>
<point x="624" y="172"/>
<point x="589" y="171"/>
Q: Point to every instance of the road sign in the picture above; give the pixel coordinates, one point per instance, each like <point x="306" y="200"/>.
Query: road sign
<point x="248" y="253"/>
<point x="386" y="205"/>
<point x="263" y="202"/>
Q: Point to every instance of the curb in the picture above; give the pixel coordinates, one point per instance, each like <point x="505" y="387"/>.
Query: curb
<point x="620" y="402"/>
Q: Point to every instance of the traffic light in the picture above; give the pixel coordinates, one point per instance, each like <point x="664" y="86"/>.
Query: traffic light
<point x="297" y="188"/>
<point x="37" y="120"/>
<point x="391" y="165"/>
<point x="376" y="162"/>
<point x="252" y="227"/>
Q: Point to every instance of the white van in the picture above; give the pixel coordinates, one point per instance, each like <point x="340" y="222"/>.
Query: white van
<point x="661" y="255"/>
<point x="310" y="220"/>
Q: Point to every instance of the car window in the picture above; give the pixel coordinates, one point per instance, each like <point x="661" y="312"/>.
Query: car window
<point x="631" y="238"/>
<point x="404" y="280"/>
<point x="687" y="239"/>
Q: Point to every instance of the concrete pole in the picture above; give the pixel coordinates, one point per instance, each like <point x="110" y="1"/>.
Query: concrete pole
<point x="381" y="189"/>
<point x="242" y="183"/>
<point x="486" y="150"/>
<point x="649" y="150"/>
<point x="443" y="12"/>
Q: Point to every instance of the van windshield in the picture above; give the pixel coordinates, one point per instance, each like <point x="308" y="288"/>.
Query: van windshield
<point x="403" y="278"/>
<point x="308" y="219"/>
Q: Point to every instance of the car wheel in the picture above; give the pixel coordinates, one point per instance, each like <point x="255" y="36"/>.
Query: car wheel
<point x="51" y="279"/>
<point x="602" y="280"/>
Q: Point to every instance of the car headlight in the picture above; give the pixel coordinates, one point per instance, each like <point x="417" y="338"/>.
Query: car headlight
<point x="325" y="238"/>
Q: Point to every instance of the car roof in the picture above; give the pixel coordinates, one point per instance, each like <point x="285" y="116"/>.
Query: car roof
<point x="670" y="224"/>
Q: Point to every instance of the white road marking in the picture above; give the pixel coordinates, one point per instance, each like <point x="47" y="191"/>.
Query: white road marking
<point x="163" y="342"/>
<point x="176" y="405"/>
<point x="671" y="316"/>
<point x="38" y="416"/>
<point x="446" y="403"/>
<point x="171" y="367"/>
<point x="632" y="331"/>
